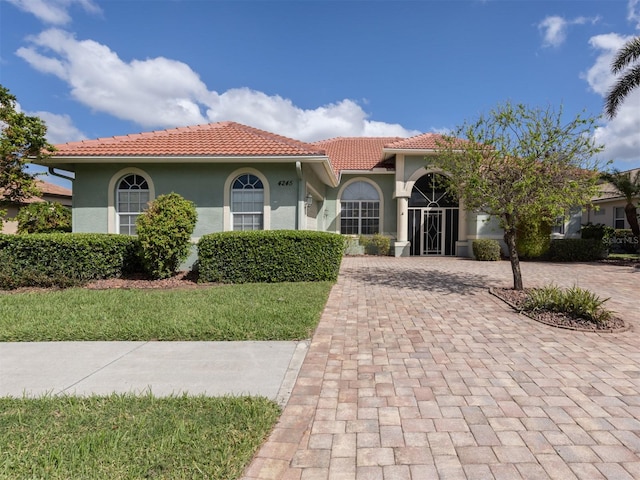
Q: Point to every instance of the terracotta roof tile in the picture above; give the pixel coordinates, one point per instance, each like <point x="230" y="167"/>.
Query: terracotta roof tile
<point x="52" y="189"/>
<point x="46" y="188"/>
<point x="214" y="139"/>
<point x="356" y="153"/>
<point x="425" y="141"/>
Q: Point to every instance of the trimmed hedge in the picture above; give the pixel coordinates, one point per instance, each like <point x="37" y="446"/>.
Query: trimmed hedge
<point x="64" y="259"/>
<point x="486" y="249"/>
<point x="576" y="250"/>
<point x="269" y="256"/>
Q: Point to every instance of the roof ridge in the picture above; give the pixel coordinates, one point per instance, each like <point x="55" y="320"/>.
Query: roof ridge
<point x="360" y="138"/>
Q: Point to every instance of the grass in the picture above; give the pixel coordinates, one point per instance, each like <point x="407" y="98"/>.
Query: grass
<point x="624" y="256"/>
<point x="128" y="437"/>
<point x="277" y="311"/>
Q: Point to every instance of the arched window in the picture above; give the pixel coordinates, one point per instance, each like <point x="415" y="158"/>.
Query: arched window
<point x="360" y="209"/>
<point x="431" y="191"/>
<point x="132" y="198"/>
<point x="247" y="203"/>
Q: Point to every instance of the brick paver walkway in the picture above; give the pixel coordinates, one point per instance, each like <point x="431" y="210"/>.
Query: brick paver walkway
<point x="417" y="372"/>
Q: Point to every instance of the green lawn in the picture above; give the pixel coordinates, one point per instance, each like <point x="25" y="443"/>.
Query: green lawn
<point x="128" y="437"/>
<point x="275" y="311"/>
<point x="624" y="256"/>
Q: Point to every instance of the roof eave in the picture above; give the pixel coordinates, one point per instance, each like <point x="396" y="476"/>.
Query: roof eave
<point x="68" y="163"/>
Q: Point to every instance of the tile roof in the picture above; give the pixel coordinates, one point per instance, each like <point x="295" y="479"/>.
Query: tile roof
<point x="52" y="189"/>
<point x="213" y="139"/>
<point x="231" y="139"/>
<point x="46" y="188"/>
<point x="425" y="141"/>
<point x="356" y="153"/>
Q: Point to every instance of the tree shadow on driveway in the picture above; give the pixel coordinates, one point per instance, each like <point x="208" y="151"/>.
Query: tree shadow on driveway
<point x="428" y="280"/>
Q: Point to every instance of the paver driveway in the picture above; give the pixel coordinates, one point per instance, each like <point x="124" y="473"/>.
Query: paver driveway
<point x="417" y="372"/>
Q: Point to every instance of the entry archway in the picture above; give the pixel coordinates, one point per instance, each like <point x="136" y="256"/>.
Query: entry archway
<point x="433" y="217"/>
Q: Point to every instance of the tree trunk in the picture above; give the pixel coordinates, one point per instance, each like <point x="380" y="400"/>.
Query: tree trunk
<point x="510" y="240"/>
<point x="632" y="217"/>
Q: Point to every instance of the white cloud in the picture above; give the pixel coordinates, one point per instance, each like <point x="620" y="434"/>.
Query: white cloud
<point x="620" y="135"/>
<point x="554" y="31"/>
<point x="55" y="12"/>
<point x="160" y="92"/>
<point x="554" y="28"/>
<point x="633" y="12"/>
<point x="60" y="128"/>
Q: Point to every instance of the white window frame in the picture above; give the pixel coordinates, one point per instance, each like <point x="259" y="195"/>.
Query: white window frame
<point x="228" y="187"/>
<point x="251" y="194"/>
<point x="113" y="224"/>
<point x="360" y="202"/>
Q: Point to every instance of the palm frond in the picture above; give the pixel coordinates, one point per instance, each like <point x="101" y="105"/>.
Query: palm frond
<point x="628" y="54"/>
<point x="621" y="89"/>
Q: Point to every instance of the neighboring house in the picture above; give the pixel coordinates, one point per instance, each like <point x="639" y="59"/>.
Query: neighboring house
<point x="49" y="193"/>
<point x="243" y="178"/>
<point x="609" y="206"/>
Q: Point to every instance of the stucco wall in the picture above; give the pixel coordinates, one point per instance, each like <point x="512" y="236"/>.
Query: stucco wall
<point x="385" y="183"/>
<point x="203" y="184"/>
<point x="605" y="213"/>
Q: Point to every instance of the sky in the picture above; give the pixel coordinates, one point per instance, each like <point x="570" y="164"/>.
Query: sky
<point x="314" y="69"/>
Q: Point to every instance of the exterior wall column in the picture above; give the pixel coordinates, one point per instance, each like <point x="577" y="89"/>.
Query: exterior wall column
<point x="402" y="246"/>
<point x="462" y="244"/>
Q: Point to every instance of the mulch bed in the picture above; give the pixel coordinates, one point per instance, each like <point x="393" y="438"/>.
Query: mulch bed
<point x="516" y="298"/>
<point x="180" y="280"/>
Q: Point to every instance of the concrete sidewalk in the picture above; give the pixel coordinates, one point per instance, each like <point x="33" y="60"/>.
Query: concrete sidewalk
<point x="268" y="369"/>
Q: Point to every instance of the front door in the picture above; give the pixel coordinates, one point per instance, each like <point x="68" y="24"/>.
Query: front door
<point x="433" y="217"/>
<point x="432" y="231"/>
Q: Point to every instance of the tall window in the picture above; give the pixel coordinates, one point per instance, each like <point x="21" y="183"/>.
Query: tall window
<point x="133" y="196"/>
<point x="619" y="217"/>
<point x="247" y="203"/>
<point x="360" y="210"/>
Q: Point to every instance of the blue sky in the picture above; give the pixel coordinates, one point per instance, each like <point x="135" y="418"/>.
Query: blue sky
<point x="313" y="69"/>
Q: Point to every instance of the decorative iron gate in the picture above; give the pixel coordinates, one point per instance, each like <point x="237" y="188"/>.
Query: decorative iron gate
<point x="433" y="217"/>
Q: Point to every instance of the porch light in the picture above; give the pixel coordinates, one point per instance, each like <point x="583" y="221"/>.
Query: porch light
<point x="308" y="201"/>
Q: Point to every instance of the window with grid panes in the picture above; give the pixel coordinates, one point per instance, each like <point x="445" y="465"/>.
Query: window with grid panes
<point x="247" y="203"/>
<point x="133" y="197"/>
<point x="360" y="209"/>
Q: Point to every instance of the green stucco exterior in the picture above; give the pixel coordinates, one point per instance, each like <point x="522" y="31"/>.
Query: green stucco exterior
<point x="203" y="184"/>
<point x="385" y="183"/>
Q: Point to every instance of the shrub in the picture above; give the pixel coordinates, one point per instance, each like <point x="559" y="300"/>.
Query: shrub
<point x="533" y="238"/>
<point x="352" y="245"/>
<point x="576" y="250"/>
<point x="44" y="217"/>
<point x="269" y="256"/>
<point x="623" y="241"/>
<point x="486" y="249"/>
<point x="596" y="231"/>
<point x="574" y="301"/>
<point x="64" y="259"/>
<point x="164" y="232"/>
<point x="376" y="244"/>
